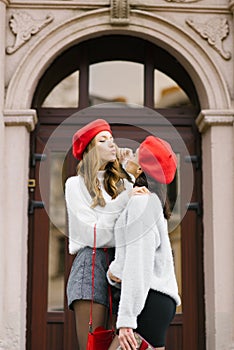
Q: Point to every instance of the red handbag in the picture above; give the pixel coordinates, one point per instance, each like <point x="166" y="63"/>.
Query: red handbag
<point x="100" y="338"/>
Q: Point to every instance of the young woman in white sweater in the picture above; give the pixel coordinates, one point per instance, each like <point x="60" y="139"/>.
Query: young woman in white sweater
<point x="95" y="197"/>
<point x="143" y="265"/>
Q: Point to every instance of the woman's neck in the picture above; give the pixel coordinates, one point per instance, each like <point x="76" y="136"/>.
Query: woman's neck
<point x="103" y="166"/>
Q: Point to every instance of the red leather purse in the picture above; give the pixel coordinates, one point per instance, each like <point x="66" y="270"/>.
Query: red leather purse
<point x="100" y="338"/>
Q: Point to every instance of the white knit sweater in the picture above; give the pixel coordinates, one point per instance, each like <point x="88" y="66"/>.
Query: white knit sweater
<point x="82" y="218"/>
<point x="143" y="257"/>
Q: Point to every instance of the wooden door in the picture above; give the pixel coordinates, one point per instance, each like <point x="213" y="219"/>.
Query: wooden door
<point x="50" y="325"/>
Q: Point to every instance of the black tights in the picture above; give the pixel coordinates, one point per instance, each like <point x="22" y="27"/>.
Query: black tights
<point x="82" y="312"/>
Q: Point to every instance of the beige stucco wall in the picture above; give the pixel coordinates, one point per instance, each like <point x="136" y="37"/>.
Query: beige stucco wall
<point x="211" y="69"/>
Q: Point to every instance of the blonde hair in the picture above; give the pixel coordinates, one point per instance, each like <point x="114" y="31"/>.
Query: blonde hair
<point x="113" y="176"/>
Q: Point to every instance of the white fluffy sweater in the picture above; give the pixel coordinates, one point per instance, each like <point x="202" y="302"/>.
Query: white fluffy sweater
<point x="82" y="218"/>
<point x="143" y="257"/>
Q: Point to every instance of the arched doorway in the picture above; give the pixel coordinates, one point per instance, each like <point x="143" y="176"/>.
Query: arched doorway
<point x="50" y="324"/>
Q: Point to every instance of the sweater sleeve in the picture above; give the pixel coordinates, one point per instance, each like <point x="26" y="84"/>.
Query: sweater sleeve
<point x="82" y="218"/>
<point x="142" y="240"/>
<point x="116" y="266"/>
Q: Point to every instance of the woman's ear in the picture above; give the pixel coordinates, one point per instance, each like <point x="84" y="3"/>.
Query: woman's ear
<point x="139" y="171"/>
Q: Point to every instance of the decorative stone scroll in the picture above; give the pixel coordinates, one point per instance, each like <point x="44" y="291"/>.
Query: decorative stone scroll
<point x="120" y="12"/>
<point x="24" y="26"/>
<point x="214" y="31"/>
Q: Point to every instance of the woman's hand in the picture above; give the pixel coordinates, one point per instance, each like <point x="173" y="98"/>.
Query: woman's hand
<point x="124" y="154"/>
<point x="139" y="190"/>
<point x="113" y="277"/>
<point x="127" y="339"/>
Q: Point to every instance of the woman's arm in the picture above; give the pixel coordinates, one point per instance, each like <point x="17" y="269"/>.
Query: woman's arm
<point x="82" y="218"/>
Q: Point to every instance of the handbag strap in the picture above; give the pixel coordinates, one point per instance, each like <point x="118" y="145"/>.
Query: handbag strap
<point x="109" y="290"/>
<point x="109" y="287"/>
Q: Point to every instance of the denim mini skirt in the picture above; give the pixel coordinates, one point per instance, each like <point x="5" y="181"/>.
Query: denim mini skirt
<point x="79" y="285"/>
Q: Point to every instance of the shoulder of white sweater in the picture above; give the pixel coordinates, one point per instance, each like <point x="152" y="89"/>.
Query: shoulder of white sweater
<point x="76" y="182"/>
<point x="144" y="209"/>
<point x="142" y="202"/>
<point x="76" y="193"/>
<point x="73" y="180"/>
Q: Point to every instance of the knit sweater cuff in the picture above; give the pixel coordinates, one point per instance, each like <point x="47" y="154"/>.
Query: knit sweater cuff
<point x="113" y="283"/>
<point x="116" y="267"/>
<point x="126" y="321"/>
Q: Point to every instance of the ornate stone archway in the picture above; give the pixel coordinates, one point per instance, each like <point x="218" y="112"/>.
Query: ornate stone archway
<point x="156" y="29"/>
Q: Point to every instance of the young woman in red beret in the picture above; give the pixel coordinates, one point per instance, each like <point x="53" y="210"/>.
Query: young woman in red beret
<point x="143" y="267"/>
<point x="94" y="198"/>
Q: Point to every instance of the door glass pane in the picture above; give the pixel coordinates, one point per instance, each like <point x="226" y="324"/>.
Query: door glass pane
<point x="116" y="81"/>
<point x="57" y="216"/>
<point x="65" y="94"/>
<point x="174" y="194"/>
<point x="167" y="92"/>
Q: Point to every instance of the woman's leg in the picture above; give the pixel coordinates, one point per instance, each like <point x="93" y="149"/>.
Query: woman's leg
<point x="155" y="318"/>
<point x="115" y="343"/>
<point x="82" y="313"/>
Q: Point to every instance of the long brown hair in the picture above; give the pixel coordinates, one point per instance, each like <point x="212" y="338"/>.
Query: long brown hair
<point x="113" y="177"/>
<point x="158" y="188"/>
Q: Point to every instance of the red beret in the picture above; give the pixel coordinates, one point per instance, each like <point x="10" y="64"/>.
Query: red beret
<point x="83" y="136"/>
<point x="157" y="159"/>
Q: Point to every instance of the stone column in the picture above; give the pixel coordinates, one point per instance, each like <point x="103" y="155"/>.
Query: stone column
<point x="218" y="200"/>
<point x="2" y="166"/>
<point x="231" y="9"/>
<point x="18" y="124"/>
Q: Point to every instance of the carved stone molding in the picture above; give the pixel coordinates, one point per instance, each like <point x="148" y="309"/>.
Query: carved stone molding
<point x="6" y="2"/>
<point x="120" y="12"/>
<point x="182" y="1"/>
<point x="231" y="8"/>
<point x="214" y="31"/>
<point x="23" y="25"/>
<point x="27" y="118"/>
<point x="208" y="118"/>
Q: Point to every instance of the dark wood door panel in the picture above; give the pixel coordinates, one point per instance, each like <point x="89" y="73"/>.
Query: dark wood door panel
<point x="55" y="336"/>
<point x="175" y="334"/>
